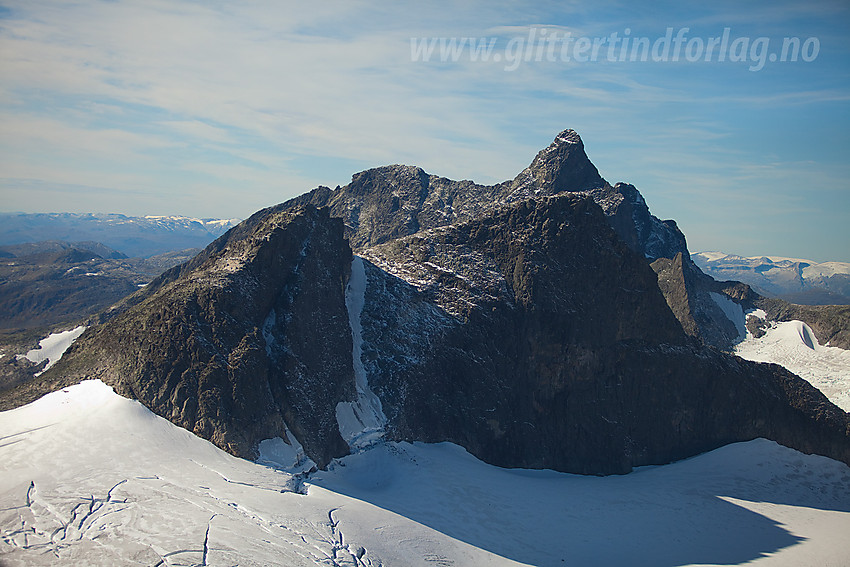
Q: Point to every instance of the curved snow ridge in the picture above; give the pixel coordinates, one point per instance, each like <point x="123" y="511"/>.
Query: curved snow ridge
<point x="793" y="344"/>
<point x="802" y="332"/>
<point x="361" y="422"/>
<point x="52" y="347"/>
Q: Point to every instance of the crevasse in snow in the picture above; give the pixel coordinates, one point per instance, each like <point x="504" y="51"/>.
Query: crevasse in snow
<point x="90" y="478"/>
<point x="361" y="422"/>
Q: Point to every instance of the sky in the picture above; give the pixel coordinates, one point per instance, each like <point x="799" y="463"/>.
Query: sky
<point x="217" y="109"/>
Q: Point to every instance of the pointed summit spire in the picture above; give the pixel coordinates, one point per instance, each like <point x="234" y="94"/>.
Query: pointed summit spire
<point x="568" y="136"/>
<point x="562" y="166"/>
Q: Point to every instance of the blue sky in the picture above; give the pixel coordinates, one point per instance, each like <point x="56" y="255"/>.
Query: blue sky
<point x="217" y="109"/>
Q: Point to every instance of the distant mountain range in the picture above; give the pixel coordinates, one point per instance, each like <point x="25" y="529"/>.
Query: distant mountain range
<point x="132" y="236"/>
<point x="795" y="280"/>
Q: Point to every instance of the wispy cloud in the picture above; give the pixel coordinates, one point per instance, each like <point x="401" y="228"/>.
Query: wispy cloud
<point x="177" y="100"/>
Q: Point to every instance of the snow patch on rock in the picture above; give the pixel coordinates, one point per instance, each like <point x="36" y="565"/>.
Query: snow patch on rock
<point x="361" y="422"/>
<point x="268" y="336"/>
<point x="757" y="313"/>
<point x="53" y="347"/>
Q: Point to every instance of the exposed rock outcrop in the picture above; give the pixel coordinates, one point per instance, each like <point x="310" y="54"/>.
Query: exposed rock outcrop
<point x="534" y="337"/>
<point x="389" y="202"/>
<point x="698" y="302"/>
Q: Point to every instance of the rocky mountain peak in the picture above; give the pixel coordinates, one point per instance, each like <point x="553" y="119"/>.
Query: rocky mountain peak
<point x="521" y="320"/>
<point x="562" y="166"/>
<point x="568" y="136"/>
<point x="398" y="173"/>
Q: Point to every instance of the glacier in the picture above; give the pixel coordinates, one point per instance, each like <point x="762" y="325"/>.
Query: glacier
<point x="88" y="477"/>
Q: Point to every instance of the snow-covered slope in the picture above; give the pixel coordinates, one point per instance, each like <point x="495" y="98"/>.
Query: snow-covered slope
<point x="90" y="478"/>
<point x="793" y="345"/>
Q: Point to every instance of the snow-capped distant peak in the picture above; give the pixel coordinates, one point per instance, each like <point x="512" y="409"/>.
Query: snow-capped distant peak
<point x="140" y="236"/>
<point x="781" y="276"/>
<point x="203" y="222"/>
<point x="826" y="269"/>
<point x="712" y="256"/>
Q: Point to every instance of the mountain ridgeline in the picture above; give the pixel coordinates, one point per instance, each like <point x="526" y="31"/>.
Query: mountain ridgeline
<point x="547" y="322"/>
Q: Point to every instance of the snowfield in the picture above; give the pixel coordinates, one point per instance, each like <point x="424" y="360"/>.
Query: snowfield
<point x="91" y="478"/>
<point x="792" y="344"/>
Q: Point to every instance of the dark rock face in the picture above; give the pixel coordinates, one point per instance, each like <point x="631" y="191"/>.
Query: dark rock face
<point x="390" y="202"/>
<point x="693" y="297"/>
<point x="511" y="336"/>
<point x="629" y="215"/>
<point x="521" y="321"/>
<point x="251" y="342"/>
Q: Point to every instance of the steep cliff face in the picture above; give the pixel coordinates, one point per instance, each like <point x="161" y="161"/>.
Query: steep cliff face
<point x="698" y="302"/>
<point x="250" y="343"/>
<point x="629" y="215"/>
<point x="534" y="337"/>
<point x="386" y="203"/>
